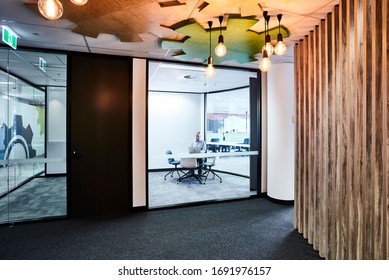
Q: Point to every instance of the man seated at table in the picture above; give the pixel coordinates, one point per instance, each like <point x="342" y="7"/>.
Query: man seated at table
<point x="199" y="145"/>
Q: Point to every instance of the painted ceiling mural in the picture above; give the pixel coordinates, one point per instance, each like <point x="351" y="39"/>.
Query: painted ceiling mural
<point x="242" y="43"/>
<point x="179" y="25"/>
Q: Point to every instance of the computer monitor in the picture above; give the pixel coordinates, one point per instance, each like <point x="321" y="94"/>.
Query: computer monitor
<point x="194" y="150"/>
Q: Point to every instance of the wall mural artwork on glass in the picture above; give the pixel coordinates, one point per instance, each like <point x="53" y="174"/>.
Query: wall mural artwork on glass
<point x="16" y="141"/>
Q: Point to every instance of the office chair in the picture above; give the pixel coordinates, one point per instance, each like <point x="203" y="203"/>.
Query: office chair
<point x="191" y="165"/>
<point x="246" y="141"/>
<point x="209" y="164"/>
<point x="214" y="148"/>
<point x="174" y="162"/>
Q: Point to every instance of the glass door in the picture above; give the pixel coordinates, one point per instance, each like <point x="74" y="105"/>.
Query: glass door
<point x="26" y="193"/>
<point x="228" y="128"/>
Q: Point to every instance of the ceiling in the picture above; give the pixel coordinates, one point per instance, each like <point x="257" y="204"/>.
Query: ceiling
<point x="136" y="28"/>
<point x="188" y="78"/>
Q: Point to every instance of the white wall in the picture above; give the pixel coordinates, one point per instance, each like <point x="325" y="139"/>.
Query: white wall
<point x="56" y="129"/>
<point x="139" y="105"/>
<point x="173" y="120"/>
<point x="280" y="128"/>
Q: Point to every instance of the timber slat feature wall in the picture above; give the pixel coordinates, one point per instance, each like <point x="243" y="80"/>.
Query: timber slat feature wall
<point x="342" y="132"/>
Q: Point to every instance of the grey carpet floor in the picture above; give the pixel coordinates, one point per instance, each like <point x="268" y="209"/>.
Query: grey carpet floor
<point x="40" y="198"/>
<point x="244" y="229"/>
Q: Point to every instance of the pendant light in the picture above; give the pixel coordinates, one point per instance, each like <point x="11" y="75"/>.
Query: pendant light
<point x="268" y="46"/>
<point x="265" y="62"/>
<point x="50" y="9"/>
<point x="221" y="49"/>
<point x="79" y="2"/>
<point x="280" y="48"/>
<point x="210" y="70"/>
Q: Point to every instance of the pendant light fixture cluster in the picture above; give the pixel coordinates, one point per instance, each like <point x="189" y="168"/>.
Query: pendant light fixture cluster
<point x="220" y="49"/>
<point x="268" y="48"/>
<point x="53" y="9"/>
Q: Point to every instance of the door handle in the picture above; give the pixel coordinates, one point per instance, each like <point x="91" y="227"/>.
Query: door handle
<point x="75" y="155"/>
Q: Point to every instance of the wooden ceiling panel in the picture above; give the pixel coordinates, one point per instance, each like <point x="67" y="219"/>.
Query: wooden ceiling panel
<point x="243" y="7"/>
<point x="138" y="26"/>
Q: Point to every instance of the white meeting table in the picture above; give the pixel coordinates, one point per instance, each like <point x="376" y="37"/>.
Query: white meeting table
<point x="209" y="155"/>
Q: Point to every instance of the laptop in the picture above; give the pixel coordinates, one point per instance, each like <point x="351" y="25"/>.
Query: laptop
<point x="194" y="150"/>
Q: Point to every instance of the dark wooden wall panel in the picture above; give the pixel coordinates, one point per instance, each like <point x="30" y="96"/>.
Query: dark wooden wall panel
<point x="337" y="152"/>
<point x="316" y="135"/>
<point x="359" y="161"/>
<point x="296" y="132"/>
<point x="329" y="130"/>
<point x="385" y="152"/>
<point x="342" y="132"/>
<point x="310" y="139"/>
<point x="377" y="137"/>
<point x="369" y="124"/>
<point x="306" y="138"/>
<point x="351" y="99"/>
<point x="323" y="136"/>
<point x="347" y="135"/>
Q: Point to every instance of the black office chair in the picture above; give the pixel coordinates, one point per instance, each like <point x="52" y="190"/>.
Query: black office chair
<point x="174" y="162"/>
<point x="213" y="147"/>
<point x="246" y="141"/>
<point x="208" y="165"/>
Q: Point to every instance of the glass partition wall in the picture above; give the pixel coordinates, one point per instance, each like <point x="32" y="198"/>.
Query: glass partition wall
<point x="26" y="193"/>
<point x="181" y="102"/>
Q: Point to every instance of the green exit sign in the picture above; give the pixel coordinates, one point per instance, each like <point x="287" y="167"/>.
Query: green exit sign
<point x="9" y="37"/>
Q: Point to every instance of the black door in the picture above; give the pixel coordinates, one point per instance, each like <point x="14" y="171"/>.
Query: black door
<point x="99" y="135"/>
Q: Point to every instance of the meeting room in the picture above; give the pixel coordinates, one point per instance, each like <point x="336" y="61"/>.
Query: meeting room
<point x="198" y="134"/>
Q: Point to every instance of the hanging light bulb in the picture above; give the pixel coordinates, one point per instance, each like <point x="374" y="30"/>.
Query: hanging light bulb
<point x="221" y="49"/>
<point x="280" y="48"/>
<point x="268" y="46"/>
<point x="210" y="70"/>
<point x="79" y="2"/>
<point x="50" y="9"/>
<point x="265" y="62"/>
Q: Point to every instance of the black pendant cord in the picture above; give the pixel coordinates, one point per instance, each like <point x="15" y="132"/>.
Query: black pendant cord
<point x="279" y="17"/>
<point x="264" y="18"/>
<point x="220" y="22"/>
<point x="210" y="37"/>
